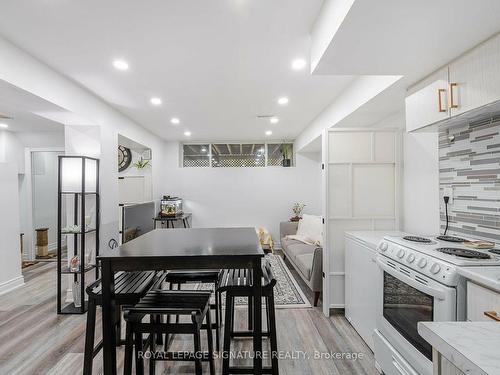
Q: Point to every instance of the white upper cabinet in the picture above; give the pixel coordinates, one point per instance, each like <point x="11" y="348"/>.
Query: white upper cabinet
<point x="468" y="83"/>
<point x="427" y="101"/>
<point x="475" y="78"/>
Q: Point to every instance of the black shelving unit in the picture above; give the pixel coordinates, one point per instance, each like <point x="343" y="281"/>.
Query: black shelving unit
<point x="73" y="211"/>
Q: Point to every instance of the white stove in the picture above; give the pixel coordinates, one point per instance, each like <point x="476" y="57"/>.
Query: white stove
<point x="420" y="282"/>
<point x="433" y="257"/>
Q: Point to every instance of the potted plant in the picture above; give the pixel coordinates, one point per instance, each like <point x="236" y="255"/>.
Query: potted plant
<point x="297" y="211"/>
<point x="141" y="164"/>
<point x="286" y="152"/>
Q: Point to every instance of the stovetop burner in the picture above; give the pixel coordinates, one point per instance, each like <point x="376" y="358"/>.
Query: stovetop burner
<point x="417" y="239"/>
<point x="450" y="239"/>
<point x="463" y="253"/>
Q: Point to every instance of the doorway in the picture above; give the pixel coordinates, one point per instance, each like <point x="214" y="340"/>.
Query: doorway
<point x="44" y="179"/>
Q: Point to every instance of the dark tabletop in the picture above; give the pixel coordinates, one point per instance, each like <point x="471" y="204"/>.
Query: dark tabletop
<point x="189" y="242"/>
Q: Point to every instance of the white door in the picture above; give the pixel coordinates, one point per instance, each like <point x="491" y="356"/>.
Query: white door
<point x="426" y="102"/>
<point x="475" y="77"/>
<point x="360" y="187"/>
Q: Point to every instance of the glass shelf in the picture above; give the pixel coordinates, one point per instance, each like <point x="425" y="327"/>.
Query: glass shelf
<point x="77" y="192"/>
<point x="87" y="231"/>
<point x="72" y="309"/>
<point x="66" y="269"/>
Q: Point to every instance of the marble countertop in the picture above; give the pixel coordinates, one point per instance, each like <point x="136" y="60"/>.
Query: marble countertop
<point x="488" y="276"/>
<point x="473" y="347"/>
<point x="372" y="238"/>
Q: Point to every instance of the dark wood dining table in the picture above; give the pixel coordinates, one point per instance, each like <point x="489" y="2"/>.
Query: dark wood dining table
<point x="162" y="249"/>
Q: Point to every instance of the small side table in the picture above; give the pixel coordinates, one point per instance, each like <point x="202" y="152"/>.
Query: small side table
<point x="168" y="221"/>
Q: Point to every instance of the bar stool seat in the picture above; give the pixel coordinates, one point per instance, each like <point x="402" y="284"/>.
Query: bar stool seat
<point x="129" y="288"/>
<point x="156" y="303"/>
<point x="179" y="277"/>
<point x="239" y="283"/>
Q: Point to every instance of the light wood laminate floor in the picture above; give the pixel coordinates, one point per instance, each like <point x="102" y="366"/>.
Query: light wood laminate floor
<point x="35" y="340"/>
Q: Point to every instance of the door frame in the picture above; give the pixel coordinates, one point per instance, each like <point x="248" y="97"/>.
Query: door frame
<point x="327" y="305"/>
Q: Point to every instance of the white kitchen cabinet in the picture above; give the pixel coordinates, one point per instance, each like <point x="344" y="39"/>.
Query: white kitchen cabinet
<point x="466" y="84"/>
<point x="427" y="102"/>
<point x="481" y="300"/>
<point x="475" y="77"/>
<point x="363" y="283"/>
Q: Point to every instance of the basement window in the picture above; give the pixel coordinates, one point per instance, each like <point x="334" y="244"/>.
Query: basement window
<point x="230" y="155"/>
<point x="197" y="155"/>
<point x="237" y="155"/>
<point x="280" y="154"/>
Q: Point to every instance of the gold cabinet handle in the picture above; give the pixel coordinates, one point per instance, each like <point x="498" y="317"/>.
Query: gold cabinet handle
<point x="452" y="102"/>
<point x="492" y="315"/>
<point x="440" y="100"/>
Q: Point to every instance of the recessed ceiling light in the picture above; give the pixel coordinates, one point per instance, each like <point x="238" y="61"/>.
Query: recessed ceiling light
<point x="298" y="64"/>
<point x="274" y="120"/>
<point x="175" y="121"/>
<point x="187" y="133"/>
<point x="120" y="64"/>
<point x="283" y="100"/>
<point x="155" y="101"/>
<point x="4" y="126"/>
<point x="269" y="132"/>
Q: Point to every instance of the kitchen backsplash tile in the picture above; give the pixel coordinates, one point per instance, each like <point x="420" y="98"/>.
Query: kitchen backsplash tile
<point x="469" y="162"/>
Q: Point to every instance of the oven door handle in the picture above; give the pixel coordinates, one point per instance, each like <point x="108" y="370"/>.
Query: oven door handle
<point x="434" y="292"/>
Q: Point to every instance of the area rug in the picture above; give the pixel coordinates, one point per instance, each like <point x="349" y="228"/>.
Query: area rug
<point x="287" y="293"/>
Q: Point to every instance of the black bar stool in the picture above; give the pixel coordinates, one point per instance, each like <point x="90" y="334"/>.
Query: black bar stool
<point x="179" y="277"/>
<point x="156" y="303"/>
<point x="129" y="288"/>
<point x="239" y="283"/>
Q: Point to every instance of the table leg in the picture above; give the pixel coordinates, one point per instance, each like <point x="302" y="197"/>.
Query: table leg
<point x="184" y="222"/>
<point x="257" y="308"/>
<point x="108" y="327"/>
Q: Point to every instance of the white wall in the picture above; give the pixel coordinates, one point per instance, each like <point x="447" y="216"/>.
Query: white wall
<point x="10" y="266"/>
<point x="358" y="93"/>
<point x="11" y="150"/>
<point x="421" y="183"/>
<point x="22" y="70"/>
<point x="230" y="197"/>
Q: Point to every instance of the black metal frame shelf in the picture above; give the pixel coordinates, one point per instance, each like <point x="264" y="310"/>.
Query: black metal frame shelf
<point x="72" y="309"/>
<point x="78" y="201"/>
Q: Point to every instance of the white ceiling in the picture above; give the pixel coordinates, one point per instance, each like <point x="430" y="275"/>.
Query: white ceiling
<point x="26" y="110"/>
<point x="410" y="38"/>
<point x="216" y="64"/>
<point x="407" y="37"/>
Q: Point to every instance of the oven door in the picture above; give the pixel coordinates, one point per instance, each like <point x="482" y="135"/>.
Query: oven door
<point x="408" y="298"/>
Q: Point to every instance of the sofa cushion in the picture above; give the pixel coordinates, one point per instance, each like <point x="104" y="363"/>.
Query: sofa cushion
<point x="304" y="264"/>
<point x="293" y="248"/>
<point x="311" y="228"/>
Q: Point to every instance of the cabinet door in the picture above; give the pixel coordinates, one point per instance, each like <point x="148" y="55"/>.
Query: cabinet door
<point x="479" y="301"/>
<point x="426" y="102"/>
<point x="362" y="285"/>
<point x="475" y="77"/>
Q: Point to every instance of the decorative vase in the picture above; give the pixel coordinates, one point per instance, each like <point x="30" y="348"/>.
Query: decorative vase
<point x="76" y="294"/>
<point x="286" y="162"/>
<point x="74" y="264"/>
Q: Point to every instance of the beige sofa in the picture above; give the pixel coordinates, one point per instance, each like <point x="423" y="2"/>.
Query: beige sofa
<point x="306" y="259"/>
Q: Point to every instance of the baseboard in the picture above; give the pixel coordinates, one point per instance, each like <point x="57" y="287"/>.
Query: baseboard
<point x="12" y="284"/>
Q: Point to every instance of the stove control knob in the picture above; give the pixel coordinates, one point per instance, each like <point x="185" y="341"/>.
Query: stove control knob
<point x="435" y="268"/>
<point x="383" y="246"/>
<point x="410" y="258"/>
<point x="401" y="253"/>
<point x="422" y="262"/>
